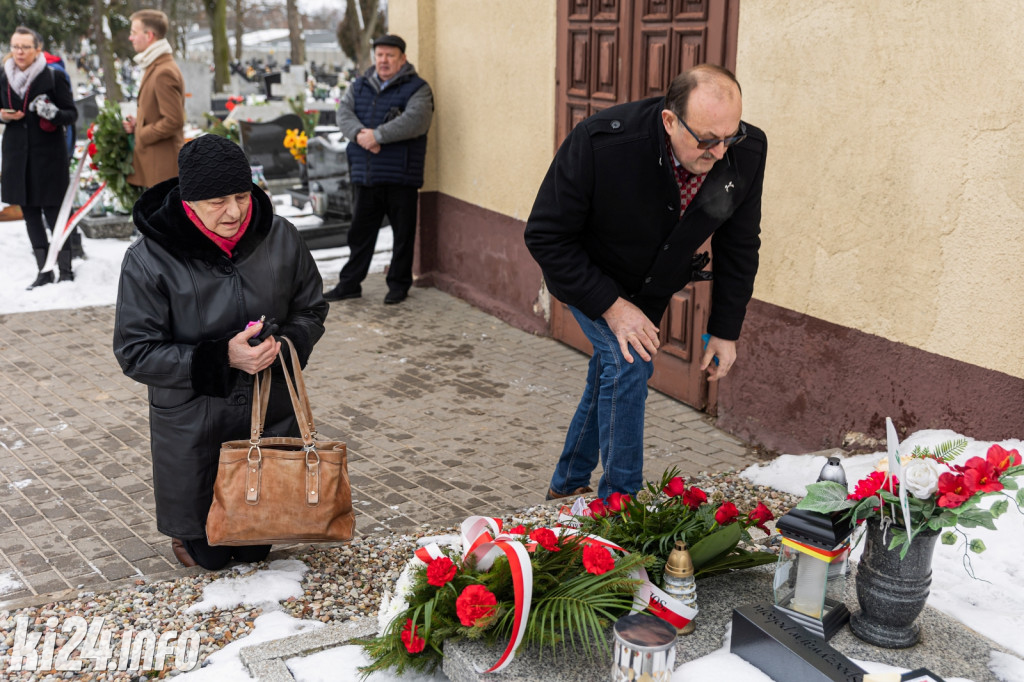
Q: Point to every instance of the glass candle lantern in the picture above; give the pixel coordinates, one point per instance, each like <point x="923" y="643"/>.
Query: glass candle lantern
<point x="808" y="587"/>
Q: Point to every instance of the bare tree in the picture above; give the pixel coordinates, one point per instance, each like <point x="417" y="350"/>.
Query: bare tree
<point x="298" y="54"/>
<point x="239" y="28"/>
<point x="216" y="14"/>
<point x="357" y="30"/>
<point x="105" y="50"/>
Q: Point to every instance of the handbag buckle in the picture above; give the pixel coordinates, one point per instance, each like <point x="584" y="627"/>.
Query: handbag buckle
<point x="312" y="475"/>
<point x="253" y="465"/>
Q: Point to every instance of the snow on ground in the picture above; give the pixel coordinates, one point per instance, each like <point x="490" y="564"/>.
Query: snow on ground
<point x="96" y="277"/>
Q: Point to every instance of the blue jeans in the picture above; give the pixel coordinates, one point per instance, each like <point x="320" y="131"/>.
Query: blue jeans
<point x="609" y="421"/>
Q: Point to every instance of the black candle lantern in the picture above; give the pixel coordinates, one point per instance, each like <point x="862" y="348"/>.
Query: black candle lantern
<point x="810" y="575"/>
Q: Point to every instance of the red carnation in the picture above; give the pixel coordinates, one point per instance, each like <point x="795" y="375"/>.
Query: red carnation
<point x="89" y="132"/>
<point x="694" y="498"/>
<point x="546" y="538"/>
<point x="676" y="487"/>
<point x="517" y="530"/>
<point x="760" y="516"/>
<point x="597" y="508"/>
<point x="413" y="644"/>
<point x="952" y="490"/>
<point x="597" y="559"/>
<point x="440" y="571"/>
<point x="726" y="514"/>
<point x="1001" y="458"/>
<point x="616" y="502"/>
<point x="229" y="105"/>
<point x="94" y="166"/>
<point x="92" y="149"/>
<point x="476" y="603"/>
<point x="870" y="485"/>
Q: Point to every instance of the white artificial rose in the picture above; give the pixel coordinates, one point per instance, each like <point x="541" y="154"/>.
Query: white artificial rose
<point x="921" y="476"/>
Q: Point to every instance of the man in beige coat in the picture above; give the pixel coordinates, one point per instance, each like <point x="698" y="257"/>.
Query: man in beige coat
<point x="160" y="118"/>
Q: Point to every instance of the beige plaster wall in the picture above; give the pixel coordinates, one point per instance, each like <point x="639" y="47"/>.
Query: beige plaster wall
<point x="894" y="194"/>
<point x="492" y="68"/>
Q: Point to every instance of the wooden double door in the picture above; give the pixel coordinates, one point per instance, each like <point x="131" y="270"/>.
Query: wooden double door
<point x="615" y="51"/>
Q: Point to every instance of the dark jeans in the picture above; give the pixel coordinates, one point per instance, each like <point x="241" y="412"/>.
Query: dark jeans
<point x="215" y="558"/>
<point x="37" y="232"/>
<point x="400" y="204"/>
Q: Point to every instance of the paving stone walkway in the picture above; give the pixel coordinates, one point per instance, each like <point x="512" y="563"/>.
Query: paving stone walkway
<point x="447" y="412"/>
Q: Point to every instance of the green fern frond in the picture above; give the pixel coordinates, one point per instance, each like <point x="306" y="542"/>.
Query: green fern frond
<point x="951" y="449"/>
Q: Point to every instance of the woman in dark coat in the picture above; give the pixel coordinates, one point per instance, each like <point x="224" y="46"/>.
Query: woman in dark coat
<point x="212" y="257"/>
<point x="36" y="105"/>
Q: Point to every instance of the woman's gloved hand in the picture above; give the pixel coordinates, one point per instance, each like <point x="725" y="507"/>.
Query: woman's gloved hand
<point x="43" y="107"/>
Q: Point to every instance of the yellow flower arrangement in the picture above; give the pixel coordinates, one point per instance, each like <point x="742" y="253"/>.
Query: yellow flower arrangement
<point x="295" y="142"/>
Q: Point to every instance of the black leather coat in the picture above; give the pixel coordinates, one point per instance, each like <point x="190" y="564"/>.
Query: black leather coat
<point x="179" y="301"/>
<point x="606" y="219"/>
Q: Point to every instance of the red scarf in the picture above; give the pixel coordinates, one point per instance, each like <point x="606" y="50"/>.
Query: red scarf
<point x="225" y="244"/>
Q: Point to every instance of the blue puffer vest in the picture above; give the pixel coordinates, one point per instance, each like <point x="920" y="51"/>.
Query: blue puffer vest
<point x="397" y="163"/>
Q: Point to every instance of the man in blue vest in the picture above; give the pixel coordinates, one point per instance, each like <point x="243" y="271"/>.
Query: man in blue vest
<point x="385" y="115"/>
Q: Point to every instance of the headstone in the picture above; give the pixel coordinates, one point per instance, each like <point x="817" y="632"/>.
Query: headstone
<point x="329" y="179"/>
<point x="88" y="110"/>
<point x="198" y="89"/>
<point x="784" y="650"/>
<point x="263" y="144"/>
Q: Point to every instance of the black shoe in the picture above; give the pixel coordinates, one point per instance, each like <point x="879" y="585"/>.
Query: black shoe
<point x="395" y="297"/>
<point x="339" y="294"/>
<point x="41" y="279"/>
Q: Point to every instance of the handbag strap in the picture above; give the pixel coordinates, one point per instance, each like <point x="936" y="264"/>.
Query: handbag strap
<point x="297" y="391"/>
<point x="259" y="406"/>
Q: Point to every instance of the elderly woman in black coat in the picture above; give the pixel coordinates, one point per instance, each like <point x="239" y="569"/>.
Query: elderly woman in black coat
<point x="212" y="257"/>
<point x="35" y="105"/>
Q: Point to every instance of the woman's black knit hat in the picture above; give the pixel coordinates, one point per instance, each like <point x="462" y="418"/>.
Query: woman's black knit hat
<point x="212" y="166"/>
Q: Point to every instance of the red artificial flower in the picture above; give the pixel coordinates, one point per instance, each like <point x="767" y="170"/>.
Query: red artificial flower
<point x="981" y="476"/>
<point x="675" y="487"/>
<point x="870" y="485"/>
<point x="517" y="530"/>
<point x="1001" y="458"/>
<point x="89" y="132"/>
<point x="440" y="571"/>
<point x="616" y="502"/>
<point x="694" y="497"/>
<point x="546" y="538"/>
<point x="952" y="490"/>
<point x="760" y="516"/>
<point x="476" y="603"/>
<point x="726" y="514"/>
<point x="230" y="105"/>
<point x="94" y="166"/>
<point x="597" y="559"/>
<point x="92" y="149"/>
<point x="597" y="508"/>
<point x="413" y="644"/>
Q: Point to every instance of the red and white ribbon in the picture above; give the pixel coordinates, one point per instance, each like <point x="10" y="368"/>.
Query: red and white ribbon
<point x="61" y="234"/>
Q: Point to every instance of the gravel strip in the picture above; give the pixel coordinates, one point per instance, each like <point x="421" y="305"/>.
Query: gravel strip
<point x="342" y="582"/>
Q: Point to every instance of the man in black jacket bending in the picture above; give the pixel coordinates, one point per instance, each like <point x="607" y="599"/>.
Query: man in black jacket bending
<point x="630" y="196"/>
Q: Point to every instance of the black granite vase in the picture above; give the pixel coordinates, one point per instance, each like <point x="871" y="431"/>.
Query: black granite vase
<point x="892" y="591"/>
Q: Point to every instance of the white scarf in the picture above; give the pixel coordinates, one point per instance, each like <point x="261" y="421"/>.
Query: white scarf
<point x="21" y="80"/>
<point x="149" y="55"/>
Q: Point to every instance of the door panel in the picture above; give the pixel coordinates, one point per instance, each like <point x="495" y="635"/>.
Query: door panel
<point x="615" y="51"/>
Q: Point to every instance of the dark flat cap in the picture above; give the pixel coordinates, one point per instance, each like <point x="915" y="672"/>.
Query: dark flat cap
<point x="391" y="41"/>
<point x="212" y="166"/>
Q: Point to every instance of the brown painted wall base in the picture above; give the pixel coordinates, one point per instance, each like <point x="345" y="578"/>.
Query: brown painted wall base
<point x="479" y="256"/>
<point x="801" y="383"/>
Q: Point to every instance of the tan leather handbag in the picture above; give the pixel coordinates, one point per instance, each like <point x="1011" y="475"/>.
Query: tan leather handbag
<point x="273" y="491"/>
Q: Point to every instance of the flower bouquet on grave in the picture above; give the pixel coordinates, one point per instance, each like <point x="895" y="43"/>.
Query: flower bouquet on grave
<point x="540" y="586"/>
<point x="666" y="511"/>
<point x="927" y="492"/>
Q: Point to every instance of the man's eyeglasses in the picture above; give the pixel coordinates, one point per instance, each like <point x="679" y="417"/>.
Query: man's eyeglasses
<point x="740" y="135"/>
